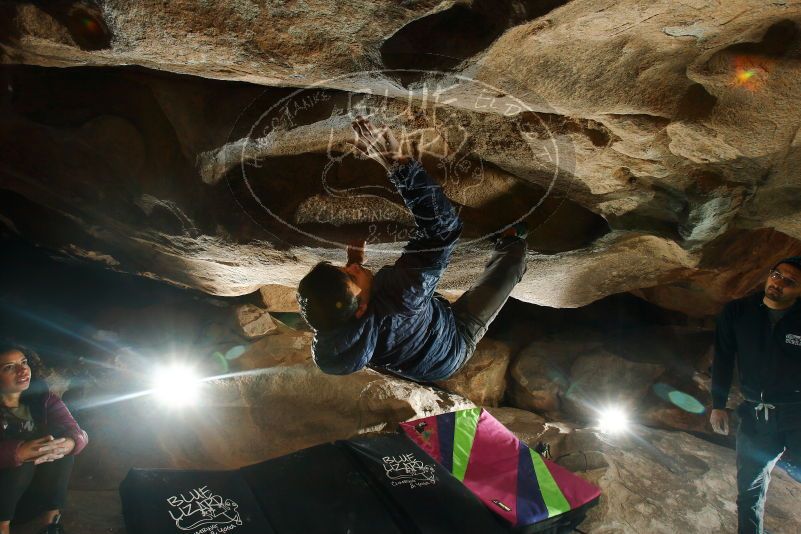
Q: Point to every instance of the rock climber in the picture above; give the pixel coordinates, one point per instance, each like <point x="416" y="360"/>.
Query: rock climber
<point x="393" y="319"/>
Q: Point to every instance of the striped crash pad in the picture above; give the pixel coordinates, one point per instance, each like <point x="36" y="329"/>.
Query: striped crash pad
<point x="511" y="479"/>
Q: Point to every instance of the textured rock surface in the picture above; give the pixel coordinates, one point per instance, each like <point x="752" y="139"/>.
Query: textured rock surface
<point x="279" y="298"/>
<point x="483" y="379"/>
<point x="659" y="374"/>
<point x="282" y="407"/>
<point x="577" y="378"/>
<point x="674" y="125"/>
<point x="658" y="481"/>
<point x="254" y="321"/>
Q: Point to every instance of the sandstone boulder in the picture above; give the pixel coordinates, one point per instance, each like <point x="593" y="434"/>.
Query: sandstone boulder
<point x="254" y="321"/>
<point x="578" y="379"/>
<point x="483" y="379"/>
<point x="276" y="401"/>
<point x="279" y="298"/>
<point x="641" y="141"/>
<point x="665" y="482"/>
<point x="649" y="372"/>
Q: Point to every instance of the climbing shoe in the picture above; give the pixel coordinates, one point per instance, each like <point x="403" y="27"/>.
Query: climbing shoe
<point x="516" y="230"/>
<point x="54" y="527"/>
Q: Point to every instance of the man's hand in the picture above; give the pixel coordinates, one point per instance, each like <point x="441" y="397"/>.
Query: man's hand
<point x="719" y="419"/>
<point x="378" y="144"/>
<point x="45" y="449"/>
<point x="356" y="251"/>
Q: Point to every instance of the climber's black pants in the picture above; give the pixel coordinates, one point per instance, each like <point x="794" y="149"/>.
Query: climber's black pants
<point x="478" y="306"/>
<point x="760" y="444"/>
<point x="28" y="490"/>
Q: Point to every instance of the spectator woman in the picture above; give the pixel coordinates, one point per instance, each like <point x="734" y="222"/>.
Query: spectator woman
<point x="38" y="441"/>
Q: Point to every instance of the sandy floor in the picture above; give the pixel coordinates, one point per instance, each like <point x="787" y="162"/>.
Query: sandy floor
<point x="93" y="512"/>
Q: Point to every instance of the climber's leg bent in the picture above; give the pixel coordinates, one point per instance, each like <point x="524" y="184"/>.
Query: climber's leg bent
<point x="478" y="306"/>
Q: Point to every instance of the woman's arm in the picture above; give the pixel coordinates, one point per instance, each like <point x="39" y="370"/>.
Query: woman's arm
<point x="59" y="419"/>
<point x="8" y="453"/>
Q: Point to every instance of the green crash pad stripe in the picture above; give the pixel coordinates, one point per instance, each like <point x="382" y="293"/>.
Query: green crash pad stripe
<point x="464" y="433"/>
<point x="555" y="501"/>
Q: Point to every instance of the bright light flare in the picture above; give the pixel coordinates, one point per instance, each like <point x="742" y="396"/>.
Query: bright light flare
<point x="744" y="75"/>
<point x="750" y="71"/>
<point x="613" y="421"/>
<point x="177" y="385"/>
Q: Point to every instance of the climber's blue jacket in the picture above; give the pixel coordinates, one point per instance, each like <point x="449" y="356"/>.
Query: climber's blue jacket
<point x="407" y="329"/>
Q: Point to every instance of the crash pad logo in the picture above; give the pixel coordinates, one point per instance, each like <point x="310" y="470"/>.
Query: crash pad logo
<point x="405" y="469"/>
<point x="452" y="123"/>
<point x="793" y="339"/>
<point x="203" y="512"/>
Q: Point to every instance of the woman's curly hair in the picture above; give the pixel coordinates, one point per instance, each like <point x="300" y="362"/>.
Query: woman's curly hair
<point x="38" y="369"/>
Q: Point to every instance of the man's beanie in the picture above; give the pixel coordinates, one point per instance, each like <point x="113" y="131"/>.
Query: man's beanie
<point x="795" y="261"/>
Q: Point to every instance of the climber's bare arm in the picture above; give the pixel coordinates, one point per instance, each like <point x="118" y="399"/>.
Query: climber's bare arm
<point x="356" y="251"/>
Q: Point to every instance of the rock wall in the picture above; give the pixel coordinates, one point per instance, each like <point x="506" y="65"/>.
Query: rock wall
<point x="652" y="147"/>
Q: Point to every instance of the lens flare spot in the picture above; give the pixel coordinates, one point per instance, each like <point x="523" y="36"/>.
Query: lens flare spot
<point x="90" y="25"/>
<point x="682" y="400"/>
<point x="220" y="359"/>
<point x="751" y="72"/>
<point x="235" y="352"/>
<point x="745" y="75"/>
<point x="686" y="402"/>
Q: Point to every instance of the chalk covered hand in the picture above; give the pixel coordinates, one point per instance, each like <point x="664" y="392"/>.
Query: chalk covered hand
<point x="45" y="449"/>
<point x="378" y="144"/>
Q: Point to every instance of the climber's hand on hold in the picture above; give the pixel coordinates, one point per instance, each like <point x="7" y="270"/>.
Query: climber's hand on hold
<point x="378" y="144"/>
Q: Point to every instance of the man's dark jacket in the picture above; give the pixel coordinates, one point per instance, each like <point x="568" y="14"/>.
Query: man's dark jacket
<point x="768" y="360"/>
<point x="407" y="328"/>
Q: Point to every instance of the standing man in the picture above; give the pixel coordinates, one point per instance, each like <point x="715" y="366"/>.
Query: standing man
<point x="762" y="334"/>
<point x="394" y="319"/>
